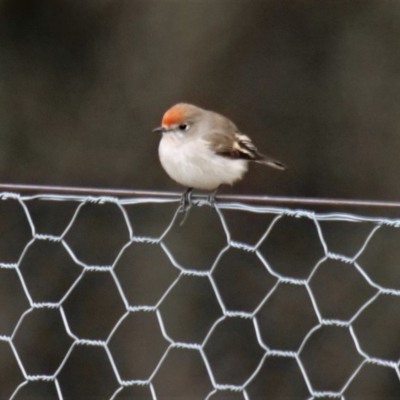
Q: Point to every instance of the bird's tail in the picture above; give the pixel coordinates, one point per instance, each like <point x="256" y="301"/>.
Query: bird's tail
<point x="265" y="160"/>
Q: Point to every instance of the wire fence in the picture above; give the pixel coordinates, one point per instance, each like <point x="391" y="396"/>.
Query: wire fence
<point x="108" y="296"/>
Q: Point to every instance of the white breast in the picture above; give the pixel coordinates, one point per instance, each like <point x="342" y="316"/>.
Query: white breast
<point x="191" y="163"/>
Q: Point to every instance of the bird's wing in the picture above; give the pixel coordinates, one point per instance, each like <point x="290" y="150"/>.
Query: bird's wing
<point x="238" y="146"/>
<point x="232" y="145"/>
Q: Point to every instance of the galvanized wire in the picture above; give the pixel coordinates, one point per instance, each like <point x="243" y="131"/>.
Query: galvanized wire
<point x="123" y="198"/>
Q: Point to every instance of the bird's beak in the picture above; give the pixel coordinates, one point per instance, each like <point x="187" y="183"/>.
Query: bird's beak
<point x="160" y="129"/>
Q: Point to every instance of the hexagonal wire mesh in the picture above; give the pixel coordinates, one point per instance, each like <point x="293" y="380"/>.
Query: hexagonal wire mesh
<point x="110" y="297"/>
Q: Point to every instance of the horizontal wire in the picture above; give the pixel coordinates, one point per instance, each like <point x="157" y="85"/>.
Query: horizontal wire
<point x="225" y="197"/>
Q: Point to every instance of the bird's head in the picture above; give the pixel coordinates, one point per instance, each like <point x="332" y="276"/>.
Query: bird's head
<point x="179" y="119"/>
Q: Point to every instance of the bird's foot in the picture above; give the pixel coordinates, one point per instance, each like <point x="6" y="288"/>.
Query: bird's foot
<point x="186" y="200"/>
<point x="211" y="199"/>
<point x="186" y="204"/>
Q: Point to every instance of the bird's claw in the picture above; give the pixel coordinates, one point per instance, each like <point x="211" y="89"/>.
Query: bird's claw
<point x="186" y="201"/>
<point x="186" y="204"/>
<point x="211" y="199"/>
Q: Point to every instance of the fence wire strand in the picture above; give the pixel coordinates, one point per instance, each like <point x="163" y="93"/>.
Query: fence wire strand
<point x="220" y="207"/>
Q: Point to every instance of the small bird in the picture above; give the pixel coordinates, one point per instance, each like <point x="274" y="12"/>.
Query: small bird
<point x="202" y="149"/>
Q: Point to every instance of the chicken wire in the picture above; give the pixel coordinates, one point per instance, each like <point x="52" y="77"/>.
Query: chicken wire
<point x="303" y="358"/>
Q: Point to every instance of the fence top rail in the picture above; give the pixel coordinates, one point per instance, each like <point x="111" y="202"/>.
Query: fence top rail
<point x="71" y="190"/>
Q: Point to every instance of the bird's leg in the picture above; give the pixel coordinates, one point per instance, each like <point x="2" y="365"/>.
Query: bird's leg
<point x="186" y="200"/>
<point x="186" y="204"/>
<point x="211" y="198"/>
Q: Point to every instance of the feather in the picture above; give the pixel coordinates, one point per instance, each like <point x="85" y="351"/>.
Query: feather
<point x="239" y="146"/>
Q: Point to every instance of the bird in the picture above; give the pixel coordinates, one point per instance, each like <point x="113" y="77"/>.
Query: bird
<point x="202" y="149"/>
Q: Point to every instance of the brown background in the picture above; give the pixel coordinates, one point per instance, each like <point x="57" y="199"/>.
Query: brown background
<point x="83" y="83"/>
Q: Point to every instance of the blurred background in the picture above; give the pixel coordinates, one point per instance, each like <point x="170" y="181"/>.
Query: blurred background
<point x="83" y="83"/>
<point x="315" y="84"/>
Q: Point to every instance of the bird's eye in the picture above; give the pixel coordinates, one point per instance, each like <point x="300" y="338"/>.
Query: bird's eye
<point x="183" y="127"/>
